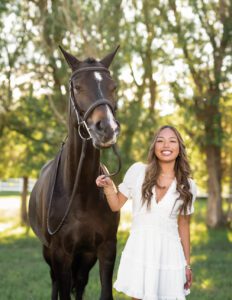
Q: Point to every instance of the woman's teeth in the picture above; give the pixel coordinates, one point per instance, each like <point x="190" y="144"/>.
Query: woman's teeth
<point x="166" y="152"/>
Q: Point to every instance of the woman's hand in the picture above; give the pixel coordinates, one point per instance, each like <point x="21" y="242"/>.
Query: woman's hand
<point x="189" y="278"/>
<point x="115" y="199"/>
<point x="104" y="182"/>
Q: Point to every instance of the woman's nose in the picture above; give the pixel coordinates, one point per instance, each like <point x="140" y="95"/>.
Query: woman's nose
<point x="166" y="144"/>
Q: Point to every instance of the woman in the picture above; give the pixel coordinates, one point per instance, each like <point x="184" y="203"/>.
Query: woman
<point x="155" y="263"/>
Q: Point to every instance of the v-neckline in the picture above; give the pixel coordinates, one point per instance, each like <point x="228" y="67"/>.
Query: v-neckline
<point x="165" y="194"/>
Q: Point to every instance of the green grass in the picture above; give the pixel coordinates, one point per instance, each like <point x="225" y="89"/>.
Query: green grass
<point x="25" y="276"/>
<point x="3" y="194"/>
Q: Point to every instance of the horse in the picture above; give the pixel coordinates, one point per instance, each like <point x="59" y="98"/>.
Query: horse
<point x="67" y="211"/>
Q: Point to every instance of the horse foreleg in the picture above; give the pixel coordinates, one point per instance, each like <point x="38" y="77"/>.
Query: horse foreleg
<point x="81" y="267"/>
<point x="54" y="286"/>
<point x="61" y="266"/>
<point x="106" y="256"/>
<point x="47" y="257"/>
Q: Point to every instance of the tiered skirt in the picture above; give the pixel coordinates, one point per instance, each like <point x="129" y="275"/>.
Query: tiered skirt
<point x="152" y="265"/>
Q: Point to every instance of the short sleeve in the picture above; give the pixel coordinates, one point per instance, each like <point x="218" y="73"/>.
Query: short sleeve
<point x="193" y="189"/>
<point x="128" y="183"/>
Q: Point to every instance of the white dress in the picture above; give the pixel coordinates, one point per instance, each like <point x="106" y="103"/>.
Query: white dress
<point x="152" y="265"/>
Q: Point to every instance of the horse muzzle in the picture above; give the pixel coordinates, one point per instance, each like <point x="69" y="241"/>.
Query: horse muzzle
<point x="104" y="134"/>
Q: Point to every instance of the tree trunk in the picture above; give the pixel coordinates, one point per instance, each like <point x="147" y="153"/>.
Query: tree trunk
<point x="214" y="216"/>
<point x="24" y="219"/>
<point x="229" y="211"/>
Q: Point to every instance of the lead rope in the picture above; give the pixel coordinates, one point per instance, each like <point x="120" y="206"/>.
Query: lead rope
<point x="77" y="178"/>
<point x="105" y="171"/>
<point x="73" y="192"/>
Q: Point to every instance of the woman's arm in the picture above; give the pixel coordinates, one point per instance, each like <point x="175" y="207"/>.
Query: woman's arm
<point x="184" y="232"/>
<point x="114" y="198"/>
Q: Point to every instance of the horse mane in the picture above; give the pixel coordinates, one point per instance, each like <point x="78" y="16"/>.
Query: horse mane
<point x="90" y="60"/>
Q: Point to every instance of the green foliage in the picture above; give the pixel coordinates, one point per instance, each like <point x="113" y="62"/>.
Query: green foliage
<point x="32" y="138"/>
<point x="171" y="52"/>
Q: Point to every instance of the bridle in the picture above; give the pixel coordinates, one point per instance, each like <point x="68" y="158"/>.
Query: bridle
<point x="81" y="120"/>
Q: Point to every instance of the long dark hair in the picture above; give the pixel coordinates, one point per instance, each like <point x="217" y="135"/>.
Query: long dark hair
<point x="182" y="172"/>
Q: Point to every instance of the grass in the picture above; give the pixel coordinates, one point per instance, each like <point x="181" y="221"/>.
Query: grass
<point x="25" y="276"/>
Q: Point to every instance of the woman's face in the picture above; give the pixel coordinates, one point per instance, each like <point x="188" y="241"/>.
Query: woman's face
<point x="167" y="146"/>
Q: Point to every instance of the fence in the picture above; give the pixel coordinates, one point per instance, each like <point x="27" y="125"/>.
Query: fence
<point x="15" y="185"/>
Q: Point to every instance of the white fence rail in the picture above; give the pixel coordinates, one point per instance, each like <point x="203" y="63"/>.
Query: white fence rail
<point x="15" y="185"/>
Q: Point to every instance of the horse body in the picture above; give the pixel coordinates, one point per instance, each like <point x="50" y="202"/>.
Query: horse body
<point x="73" y="242"/>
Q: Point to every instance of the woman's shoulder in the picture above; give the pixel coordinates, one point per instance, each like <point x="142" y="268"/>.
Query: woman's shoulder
<point x="193" y="186"/>
<point x="191" y="181"/>
<point x="135" y="169"/>
<point x="138" y="166"/>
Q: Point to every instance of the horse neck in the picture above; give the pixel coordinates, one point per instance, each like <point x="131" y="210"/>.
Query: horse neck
<point x="90" y="164"/>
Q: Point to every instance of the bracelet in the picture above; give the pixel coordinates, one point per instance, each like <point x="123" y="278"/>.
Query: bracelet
<point x="188" y="267"/>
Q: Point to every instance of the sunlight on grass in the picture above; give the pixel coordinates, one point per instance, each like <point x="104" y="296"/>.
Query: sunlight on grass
<point x="9" y="216"/>
<point x="5" y="226"/>
<point x="16" y="231"/>
<point x="199" y="233"/>
<point x="198" y="258"/>
<point x="229" y="235"/>
<point x="207" y="284"/>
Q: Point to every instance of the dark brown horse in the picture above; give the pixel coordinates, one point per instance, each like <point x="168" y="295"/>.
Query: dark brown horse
<point x="67" y="211"/>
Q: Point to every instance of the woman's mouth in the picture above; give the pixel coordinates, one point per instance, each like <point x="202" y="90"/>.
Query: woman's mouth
<point x="166" y="152"/>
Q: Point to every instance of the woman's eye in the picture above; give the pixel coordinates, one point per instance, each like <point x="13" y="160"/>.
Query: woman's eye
<point x="173" y="141"/>
<point x="159" y="141"/>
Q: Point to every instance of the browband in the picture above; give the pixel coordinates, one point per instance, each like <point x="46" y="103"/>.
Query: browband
<point x="89" y="69"/>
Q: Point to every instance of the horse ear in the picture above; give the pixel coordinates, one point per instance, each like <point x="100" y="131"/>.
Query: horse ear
<point x="107" y="60"/>
<point x="71" y="60"/>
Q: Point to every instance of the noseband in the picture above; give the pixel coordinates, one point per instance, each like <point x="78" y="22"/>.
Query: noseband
<point x="81" y="120"/>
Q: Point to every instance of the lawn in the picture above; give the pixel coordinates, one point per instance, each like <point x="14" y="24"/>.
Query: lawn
<point x="24" y="275"/>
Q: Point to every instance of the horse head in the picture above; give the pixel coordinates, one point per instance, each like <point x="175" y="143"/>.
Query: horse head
<point x="92" y="97"/>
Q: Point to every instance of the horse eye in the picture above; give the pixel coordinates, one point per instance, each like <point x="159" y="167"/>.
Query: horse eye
<point x="114" y="88"/>
<point x="77" y="87"/>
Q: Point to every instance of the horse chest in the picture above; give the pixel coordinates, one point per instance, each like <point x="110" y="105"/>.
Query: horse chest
<point x="84" y="234"/>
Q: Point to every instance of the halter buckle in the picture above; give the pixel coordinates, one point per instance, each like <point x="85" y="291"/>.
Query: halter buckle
<point x="84" y="124"/>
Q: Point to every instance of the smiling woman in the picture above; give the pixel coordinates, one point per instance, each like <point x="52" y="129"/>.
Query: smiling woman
<point x="155" y="263"/>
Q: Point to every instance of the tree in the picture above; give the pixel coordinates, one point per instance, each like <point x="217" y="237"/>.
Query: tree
<point x="203" y="31"/>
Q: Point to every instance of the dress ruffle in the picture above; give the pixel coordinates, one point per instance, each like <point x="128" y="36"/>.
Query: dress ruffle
<point x="153" y="264"/>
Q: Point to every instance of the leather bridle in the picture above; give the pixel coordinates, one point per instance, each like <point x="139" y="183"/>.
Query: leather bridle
<point x="81" y="122"/>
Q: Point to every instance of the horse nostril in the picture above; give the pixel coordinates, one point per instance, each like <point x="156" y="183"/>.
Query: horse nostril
<point x="99" y="126"/>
